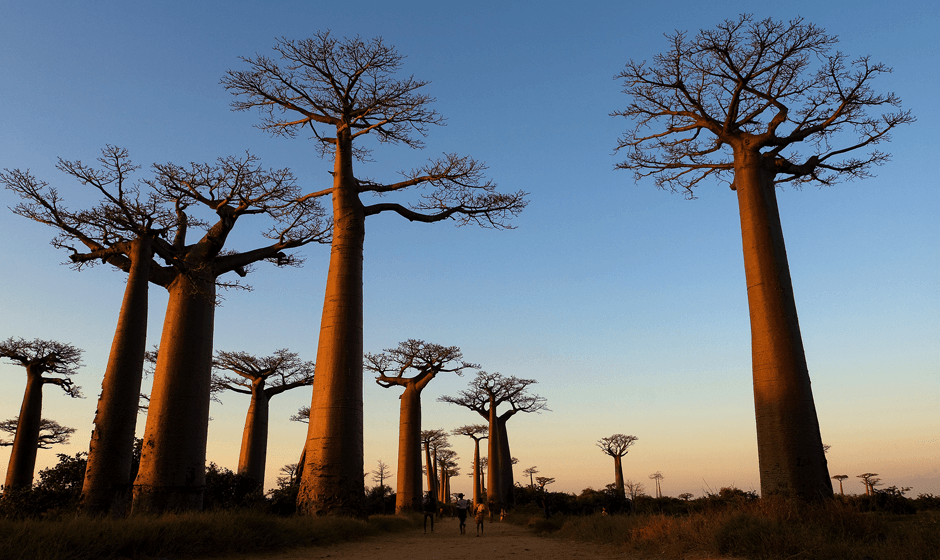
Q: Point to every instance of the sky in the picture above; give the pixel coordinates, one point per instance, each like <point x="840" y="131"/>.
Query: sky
<point x="625" y="302"/>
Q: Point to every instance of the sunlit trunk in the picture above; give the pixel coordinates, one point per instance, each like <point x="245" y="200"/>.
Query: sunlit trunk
<point x="254" y="451"/>
<point x="107" y="482"/>
<point x="791" y="457"/>
<point x="408" y="493"/>
<point x="618" y="476"/>
<point x="332" y="481"/>
<point x="173" y="462"/>
<point x="26" y="441"/>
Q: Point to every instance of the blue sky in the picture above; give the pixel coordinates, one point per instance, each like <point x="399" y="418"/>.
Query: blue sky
<point x="625" y="302"/>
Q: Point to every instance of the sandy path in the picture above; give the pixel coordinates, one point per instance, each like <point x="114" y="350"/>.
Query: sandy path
<point x="500" y="540"/>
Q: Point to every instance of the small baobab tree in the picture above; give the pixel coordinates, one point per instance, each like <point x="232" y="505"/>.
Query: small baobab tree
<point x="531" y="471"/>
<point x="50" y="433"/>
<point x="686" y="496"/>
<point x="476" y="432"/>
<point x="544" y="481"/>
<point x="380" y="473"/>
<point x="433" y="441"/>
<point x="423" y="361"/>
<point x="446" y="468"/>
<point x="261" y="379"/>
<point x="617" y="446"/>
<point x="761" y="104"/>
<point x="633" y="488"/>
<point x="870" y="480"/>
<point x="657" y="477"/>
<point x="840" y="478"/>
<point x="47" y="363"/>
<point x="341" y="91"/>
<point x="486" y="393"/>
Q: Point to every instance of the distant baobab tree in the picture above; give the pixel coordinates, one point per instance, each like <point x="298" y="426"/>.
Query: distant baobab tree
<point x="531" y="471"/>
<point x="341" y="91"/>
<point x="446" y="468"/>
<point x="544" y="481"/>
<point x="381" y="472"/>
<point x="262" y="379"/>
<point x="486" y="393"/>
<point x="47" y="363"/>
<point x="423" y="361"/>
<point x="433" y="441"/>
<point x="738" y="102"/>
<point x="658" y="476"/>
<point x="870" y="480"/>
<point x="686" y="496"/>
<point x="476" y="432"/>
<point x="840" y="478"/>
<point x="50" y="433"/>
<point x="172" y="466"/>
<point x="633" y="488"/>
<point x="126" y="229"/>
<point x="617" y="446"/>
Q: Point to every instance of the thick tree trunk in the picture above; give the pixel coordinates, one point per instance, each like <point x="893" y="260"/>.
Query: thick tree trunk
<point x="477" y="486"/>
<point x="791" y="457"/>
<point x="493" y="490"/>
<point x="332" y="481"/>
<point x="173" y="463"/>
<point x="506" y="482"/>
<point x="618" y="476"/>
<point x="107" y="484"/>
<point x="432" y="482"/>
<point x="408" y="493"/>
<point x="26" y="441"/>
<point x="253" y="455"/>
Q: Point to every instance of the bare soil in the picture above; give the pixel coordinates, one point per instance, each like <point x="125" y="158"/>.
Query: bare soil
<point x="500" y="540"/>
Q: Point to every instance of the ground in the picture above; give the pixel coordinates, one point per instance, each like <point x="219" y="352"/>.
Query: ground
<point x="500" y="540"/>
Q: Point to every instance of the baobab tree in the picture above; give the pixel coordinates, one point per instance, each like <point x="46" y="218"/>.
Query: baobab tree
<point x="617" y="446"/>
<point x="125" y="230"/>
<point x="47" y="363"/>
<point x="870" y="480"/>
<point x="531" y="471"/>
<point x="433" y="441"/>
<point x="381" y="472"/>
<point x="50" y="433"/>
<point x="738" y="102"/>
<point x="341" y="91"/>
<point x="262" y="379"/>
<point x="656" y="477"/>
<point x="544" y="481"/>
<point x="172" y="467"/>
<point x="424" y="361"/>
<point x="633" y="488"/>
<point x="486" y="393"/>
<point x="446" y="468"/>
<point x="476" y="432"/>
<point x="840" y="478"/>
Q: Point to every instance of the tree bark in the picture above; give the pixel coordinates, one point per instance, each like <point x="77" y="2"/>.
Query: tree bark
<point x="107" y="484"/>
<point x="26" y="441"/>
<point x="408" y="493"/>
<point x="332" y="479"/>
<point x="254" y="450"/>
<point x="173" y="462"/>
<point x="618" y="476"/>
<point x="791" y="457"/>
<point x="506" y="482"/>
<point x="432" y="481"/>
<point x="477" y="486"/>
<point x="493" y="490"/>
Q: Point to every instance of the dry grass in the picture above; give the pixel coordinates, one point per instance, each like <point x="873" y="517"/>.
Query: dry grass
<point x="179" y="536"/>
<point x="763" y="530"/>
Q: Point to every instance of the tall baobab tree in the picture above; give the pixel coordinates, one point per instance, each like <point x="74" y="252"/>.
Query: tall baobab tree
<point x="433" y="441"/>
<point x="424" y="360"/>
<point x="47" y="363"/>
<point x="341" y="91"/>
<point x="476" y="432"/>
<point x="486" y="393"/>
<point x="172" y="466"/>
<point x="262" y="379"/>
<point x="840" y="478"/>
<point x="125" y="229"/>
<point x="617" y="446"/>
<point x="50" y="433"/>
<point x="446" y="468"/>
<point x="656" y="477"/>
<point x="870" y="480"/>
<point x="531" y="471"/>
<point x="738" y="102"/>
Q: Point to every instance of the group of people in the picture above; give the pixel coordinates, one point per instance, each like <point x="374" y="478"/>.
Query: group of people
<point x="463" y="508"/>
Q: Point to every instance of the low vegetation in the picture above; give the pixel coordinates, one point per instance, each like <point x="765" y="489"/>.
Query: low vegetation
<point x="734" y="523"/>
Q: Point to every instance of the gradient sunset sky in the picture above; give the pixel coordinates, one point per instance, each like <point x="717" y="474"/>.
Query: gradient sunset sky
<point x="625" y="302"/>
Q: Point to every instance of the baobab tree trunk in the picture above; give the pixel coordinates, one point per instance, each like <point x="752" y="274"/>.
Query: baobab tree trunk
<point x="432" y="482"/>
<point x="173" y="462"/>
<point x="791" y="457"/>
<point x="408" y="493"/>
<point x="493" y="490"/>
<point x="332" y="478"/>
<point x="618" y="476"/>
<point x="26" y="441"/>
<point x="253" y="455"/>
<point x="477" y="486"/>
<point x="110" y="453"/>
<point x="506" y="482"/>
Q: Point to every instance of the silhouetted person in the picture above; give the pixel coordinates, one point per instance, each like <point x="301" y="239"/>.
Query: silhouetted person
<point x="463" y="506"/>
<point x="429" y="505"/>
